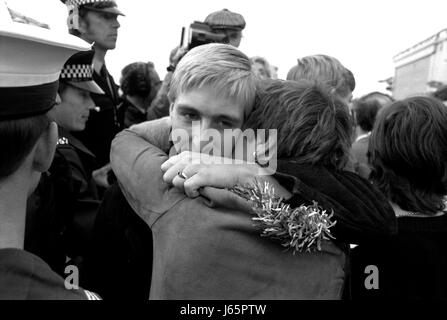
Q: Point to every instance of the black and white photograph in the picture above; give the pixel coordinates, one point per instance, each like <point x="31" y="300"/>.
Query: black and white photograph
<point x="225" y="156"/>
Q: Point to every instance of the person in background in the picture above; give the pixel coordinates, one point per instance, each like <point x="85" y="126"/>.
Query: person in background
<point x="28" y="136"/>
<point x="327" y="71"/>
<point x="140" y="84"/>
<point x="118" y="231"/>
<point x="274" y="72"/>
<point x="120" y="249"/>
<point x="96" y="21"/>
<point x="228" y="22"/>
<point x="408" y="156"/>
<point x="383" y="98"/>
<point x="365" y="111"/>
<point x="225" y="21"/>
<point x="62" y="211"/>
<point x="350" y="81"/>
<point x="441" y="94"/>
<point x="159" y="107"/>
<point x="261" y="68"/>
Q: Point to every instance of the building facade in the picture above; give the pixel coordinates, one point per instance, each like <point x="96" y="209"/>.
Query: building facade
<point x="422" y="68"/>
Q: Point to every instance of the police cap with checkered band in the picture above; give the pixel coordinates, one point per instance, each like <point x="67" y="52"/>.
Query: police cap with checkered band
<point x="78" y="72"/>
<point x="108" y="6"/>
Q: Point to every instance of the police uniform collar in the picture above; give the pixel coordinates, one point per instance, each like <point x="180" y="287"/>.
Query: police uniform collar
<point x="67" y="139"/>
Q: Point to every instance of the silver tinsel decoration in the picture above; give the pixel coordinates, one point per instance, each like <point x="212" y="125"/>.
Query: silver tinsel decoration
<point x="302" y="229"/>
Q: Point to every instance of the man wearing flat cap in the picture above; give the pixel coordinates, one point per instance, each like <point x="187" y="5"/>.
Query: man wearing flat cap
<point x="223" y="21"/>
<point x="31" y="62"/>
<point x="96" y="21"/>
<point x="231" y="23"/>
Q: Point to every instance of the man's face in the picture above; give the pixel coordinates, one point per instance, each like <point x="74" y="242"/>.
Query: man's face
<point x="234" y="38"/>
<point x="204" y="106"/>
<point x="260" y="71"/>
<point x="73" y="112"/>
<point x="101" y="28"/>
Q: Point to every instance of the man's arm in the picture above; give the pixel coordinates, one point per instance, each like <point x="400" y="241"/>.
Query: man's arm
<point x="136" y="159"/>
<point x="160" y="105"/>
<point x="204" y="171"/>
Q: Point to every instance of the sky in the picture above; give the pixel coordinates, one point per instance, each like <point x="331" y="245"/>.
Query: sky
<point x="364" y="35"/>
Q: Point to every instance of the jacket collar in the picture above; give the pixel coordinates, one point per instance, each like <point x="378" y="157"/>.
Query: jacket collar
<point x="65" y="137"/>
<point x="361" y="211"/>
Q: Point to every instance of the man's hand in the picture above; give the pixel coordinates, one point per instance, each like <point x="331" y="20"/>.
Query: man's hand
<point x="176" y="55"/>
<point x="178" y="163"/>
<point x="225" y="199"/>
<point x="201" y="170"/>
<point x="100" y="176"/>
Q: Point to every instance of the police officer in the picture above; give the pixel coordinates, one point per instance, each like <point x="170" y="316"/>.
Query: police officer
<point x="29" y="70"/>
<point x="62" y="211"/>
<point x="96" y="21"/>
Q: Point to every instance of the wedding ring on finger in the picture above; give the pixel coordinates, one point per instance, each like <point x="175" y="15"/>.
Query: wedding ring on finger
<point x="182" y="175"/>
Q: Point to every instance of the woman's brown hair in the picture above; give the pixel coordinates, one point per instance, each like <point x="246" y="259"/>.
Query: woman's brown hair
<point x="408" y="154"/>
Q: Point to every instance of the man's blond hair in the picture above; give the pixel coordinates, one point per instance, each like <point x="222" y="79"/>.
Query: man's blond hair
<point x="325" y="70"/>
<point x="219" y="66"/>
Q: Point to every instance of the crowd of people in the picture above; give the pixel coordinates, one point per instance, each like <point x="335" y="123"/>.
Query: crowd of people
<point x="114" y="191"/>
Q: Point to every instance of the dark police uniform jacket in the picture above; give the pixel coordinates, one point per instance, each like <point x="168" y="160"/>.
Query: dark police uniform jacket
<point x="61" y="212"/>
<point x="102" y="126"/>
<point x="24" y="276"/>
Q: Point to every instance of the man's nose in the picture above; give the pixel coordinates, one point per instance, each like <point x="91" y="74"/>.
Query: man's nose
<point x="90" y="104"/>
<point x="58" y="99"/>
<point x="116" y="23"/>
<point x="211" y="139"/>
<point x="206" y="124"/>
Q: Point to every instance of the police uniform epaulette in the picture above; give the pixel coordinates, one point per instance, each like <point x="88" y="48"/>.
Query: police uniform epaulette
<point x="62" y="141"/>
<point x="91" y="295"/>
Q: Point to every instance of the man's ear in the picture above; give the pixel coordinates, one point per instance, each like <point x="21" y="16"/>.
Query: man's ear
<point x="56" y="109"/>
<point x="83" y="27"/>
<point x="45" y="148"/>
